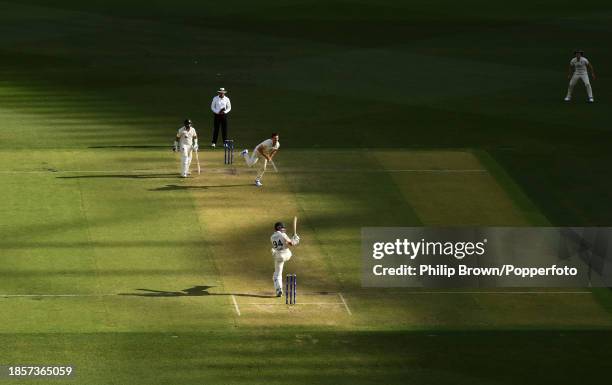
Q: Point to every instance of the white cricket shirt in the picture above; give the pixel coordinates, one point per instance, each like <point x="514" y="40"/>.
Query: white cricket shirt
<point x="280" y="241"/>
<point x="580" y="66"/>
<point x="220" y="103"/>
<point x="186" y="136"/>
<point x="267" y="147"/>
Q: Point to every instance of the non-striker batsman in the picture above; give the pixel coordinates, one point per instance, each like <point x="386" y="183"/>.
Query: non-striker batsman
<point x="186" y="142"/>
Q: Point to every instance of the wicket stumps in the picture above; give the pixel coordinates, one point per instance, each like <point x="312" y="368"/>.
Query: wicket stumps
<point x="228" y="146"/>
<point x="290" y="289"/>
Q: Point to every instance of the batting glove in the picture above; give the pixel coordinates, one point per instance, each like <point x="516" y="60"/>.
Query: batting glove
<point x="175" y="148"/>
<point x="295" y="240"/>
<point x="196" y="147"/>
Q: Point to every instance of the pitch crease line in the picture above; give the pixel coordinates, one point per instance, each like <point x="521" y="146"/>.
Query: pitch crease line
<point x="345" y="304"/>
<point x="297" y="304"/>
<point x="236" y="305"/>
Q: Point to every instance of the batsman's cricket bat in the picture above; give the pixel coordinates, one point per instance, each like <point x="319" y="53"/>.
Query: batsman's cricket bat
<point x="198" y="162"/>
<point x="294" y="225"/>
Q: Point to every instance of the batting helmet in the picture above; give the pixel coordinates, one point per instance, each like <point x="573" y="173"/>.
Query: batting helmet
<point x="579" y="51"/>
<point x="279" y="226"/>
<point x="187" y="122"/>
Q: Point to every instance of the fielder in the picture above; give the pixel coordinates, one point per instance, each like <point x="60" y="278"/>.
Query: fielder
<point x="186" y="142"/>
<point x="579" y="70"/>
<point x="281" y="254"/>
<point x="266" y="150"/>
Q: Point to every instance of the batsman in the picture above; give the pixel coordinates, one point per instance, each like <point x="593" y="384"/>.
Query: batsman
<point x="186" y="142"/>
<point x="281" y="252"/>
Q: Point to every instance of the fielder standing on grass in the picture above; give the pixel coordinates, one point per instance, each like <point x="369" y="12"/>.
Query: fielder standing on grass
<point x="579" y="70"/>
<point x="220" y="107"/>
<point x="266" y="150"/>
<point x="281" y="254"/>
<point x="186" y="142"/>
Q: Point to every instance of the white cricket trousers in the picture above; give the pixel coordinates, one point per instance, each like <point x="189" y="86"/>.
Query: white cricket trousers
<point x="574" y="80"/>
<point x="186" y="155"/>
<point x="280" y="257"/>
<point x="251" y="160"/>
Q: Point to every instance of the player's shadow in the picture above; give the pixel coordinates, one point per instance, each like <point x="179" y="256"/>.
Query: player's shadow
<point x="175" y="187"/>
<point x="196" y="291"/>
<point x="130" y="147"/>
<point x="128" y="176"/>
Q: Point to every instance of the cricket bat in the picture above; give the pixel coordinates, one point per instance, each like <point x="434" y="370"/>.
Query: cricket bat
<point x="198" y="162"/>
<point x="294" y="225"/>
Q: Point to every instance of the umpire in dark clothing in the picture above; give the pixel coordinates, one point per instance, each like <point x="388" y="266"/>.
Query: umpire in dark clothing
<point x="220" y="106"/>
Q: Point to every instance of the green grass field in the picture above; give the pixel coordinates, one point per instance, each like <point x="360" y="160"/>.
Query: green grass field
<point x="390" y="114"/>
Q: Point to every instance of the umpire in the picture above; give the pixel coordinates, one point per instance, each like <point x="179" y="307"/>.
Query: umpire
<point x="220" y="106"/>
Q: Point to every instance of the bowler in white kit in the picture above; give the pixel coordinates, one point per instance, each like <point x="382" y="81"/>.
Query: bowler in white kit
<point x="579" y="70"/>
<point x="281" y="253"/>
<point x="266" y="150"/>
<point x="186" y="142"/>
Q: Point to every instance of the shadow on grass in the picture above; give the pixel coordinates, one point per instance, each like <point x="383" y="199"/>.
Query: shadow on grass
<point x="130" y="147"/>
<point x="196" y="291"/>
<point x="129" y="176"/>
<point x="174" y="187"/>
